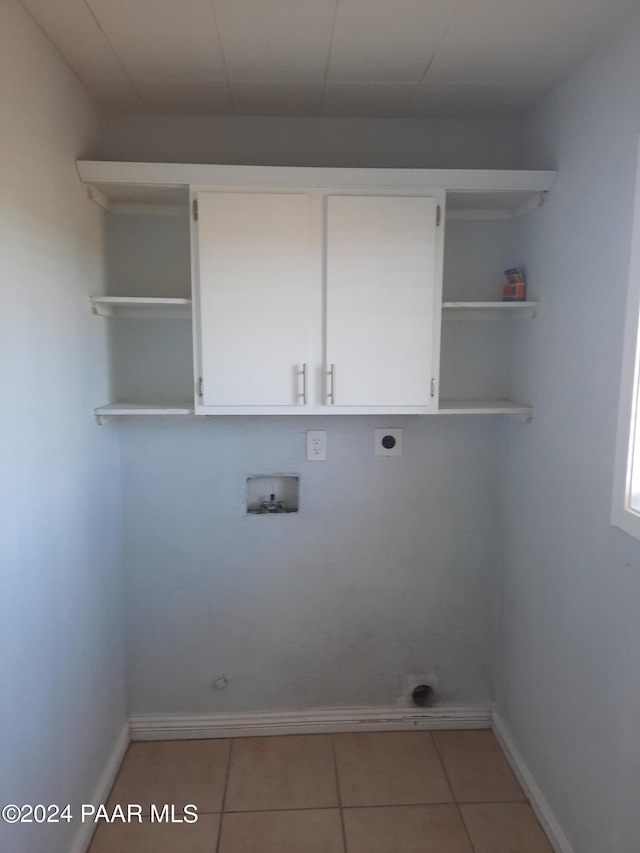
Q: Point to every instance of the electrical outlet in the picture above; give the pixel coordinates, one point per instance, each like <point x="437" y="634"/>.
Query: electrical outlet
<point x="316" y="445"/>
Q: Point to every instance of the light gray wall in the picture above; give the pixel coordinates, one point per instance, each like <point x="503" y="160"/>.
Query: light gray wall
<point x="390" y="568"/>
<point x="282" y="141"/>
<point x="569" y="671"/>
<point x="62" y="702"/>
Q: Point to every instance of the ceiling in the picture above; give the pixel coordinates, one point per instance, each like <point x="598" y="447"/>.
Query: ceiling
<point x="413" y="58"/>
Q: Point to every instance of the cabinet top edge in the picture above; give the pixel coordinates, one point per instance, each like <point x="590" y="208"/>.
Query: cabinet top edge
<point x="186" y="174"/>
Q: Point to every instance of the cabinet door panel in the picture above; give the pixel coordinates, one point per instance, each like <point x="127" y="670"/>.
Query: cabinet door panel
<point x="254" y="252"/>
<point x="381" y="268"/>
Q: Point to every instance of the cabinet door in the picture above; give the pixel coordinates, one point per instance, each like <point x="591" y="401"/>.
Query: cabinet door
<point x="254" y="253"/>
<point x="382" y="263"/>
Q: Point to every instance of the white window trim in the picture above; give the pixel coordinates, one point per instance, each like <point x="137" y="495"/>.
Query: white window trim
<point x="622" y="515"/>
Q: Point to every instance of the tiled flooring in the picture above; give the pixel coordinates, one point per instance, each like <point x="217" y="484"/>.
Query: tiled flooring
<point x="387" y="792"/>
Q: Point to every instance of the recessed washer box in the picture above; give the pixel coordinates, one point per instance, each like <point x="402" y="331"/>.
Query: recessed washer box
<point x="273" y="494"/>
<point x="388" y="442"/>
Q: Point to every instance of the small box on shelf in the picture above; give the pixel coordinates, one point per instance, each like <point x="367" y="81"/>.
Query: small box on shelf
<point x="515" y="290"/>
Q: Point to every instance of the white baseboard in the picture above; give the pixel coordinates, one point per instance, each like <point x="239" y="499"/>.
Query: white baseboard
<point x="322" y="721"/>
<point x="539" y="804"/>
<point x="85" y="832"/>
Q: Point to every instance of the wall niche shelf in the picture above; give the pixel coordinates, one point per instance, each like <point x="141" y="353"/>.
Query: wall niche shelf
<point x="140" y="306"/>
<point x="489" y="310"/>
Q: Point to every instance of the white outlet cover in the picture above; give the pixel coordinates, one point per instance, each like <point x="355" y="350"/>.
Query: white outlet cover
<point x="316" y="445"/>
<point x="387" y="436"/>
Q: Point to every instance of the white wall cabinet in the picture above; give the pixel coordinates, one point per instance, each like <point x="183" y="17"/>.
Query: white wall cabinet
<point x="316" y="302"/>
<point x="383" y="297"/>
<point x="314" y="291"/>
<point x="254" y="276"/>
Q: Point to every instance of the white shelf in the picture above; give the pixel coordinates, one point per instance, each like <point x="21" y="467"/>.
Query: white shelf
<point x="483" y="407"/>
<point x="525" y="195"/>
<point x="140" y="306"/>
<point x="172" y="177"/>
<point x="490" y="310"/>
<point x="163" y="188"/>
<point x="447" y="407"/>
<point x="138" y="409"/>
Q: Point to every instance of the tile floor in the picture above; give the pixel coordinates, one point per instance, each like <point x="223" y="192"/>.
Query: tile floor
<point x="386" y="792"/>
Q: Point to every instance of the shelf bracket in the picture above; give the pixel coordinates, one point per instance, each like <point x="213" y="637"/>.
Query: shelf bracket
<point x="530" y="205"/>
<point x="98" y="418"/>
<point x="98" y="198"/>
<point x="99" y="309"/>
<point x="524" y="417"/>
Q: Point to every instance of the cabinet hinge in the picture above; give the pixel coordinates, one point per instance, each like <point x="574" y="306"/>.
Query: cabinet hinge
<point x="438" y="216"/>
<point x="433" y="387"/>
<point x="195" y="210"/>
<point x="200" y="387"/>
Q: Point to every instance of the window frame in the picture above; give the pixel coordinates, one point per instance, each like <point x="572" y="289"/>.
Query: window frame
<point x="628" y="435"/>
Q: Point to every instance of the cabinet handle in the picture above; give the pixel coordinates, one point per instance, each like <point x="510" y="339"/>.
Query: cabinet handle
<point x="331" y="393"/>
<point x="304" y="385"/>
